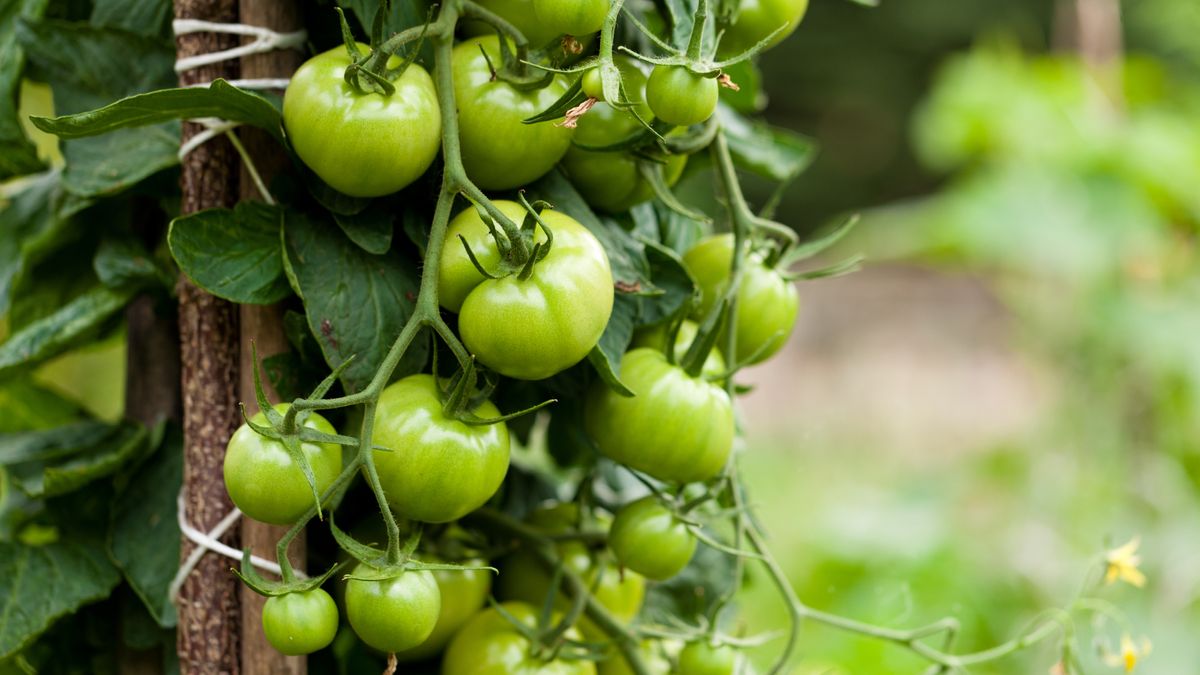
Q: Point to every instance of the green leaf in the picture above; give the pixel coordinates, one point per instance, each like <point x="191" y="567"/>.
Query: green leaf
<point x="112" y="163"/>
<point x="39" y="584"/>
<point x="403" y="14"/>
<point x="62" y="330"/>
<point x="771" y="152"/>
<point x="672" y="278"/>
<point x="28" y="406"/>
<point x="49" y="444"/>
<point x="34" y="223"/>
<point x="145" y="17"/>
<point x="101" y="459"/>
<point x="144" y="535"/>
<point x="233" y="254"/>
<point x="371" y="229"/>
<point x="356" y="303"/>
<point x="18" y="156"/>
<point x="606" y="357"/>
<point x="220" y="99"/>
<point x="124" y="261"/>
<point x="691" y="593"/>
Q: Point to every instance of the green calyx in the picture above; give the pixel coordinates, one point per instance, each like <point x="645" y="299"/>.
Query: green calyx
<point x="464" y="396"/>
<point x="519" y="251"/>
<point x="380" y="565"/>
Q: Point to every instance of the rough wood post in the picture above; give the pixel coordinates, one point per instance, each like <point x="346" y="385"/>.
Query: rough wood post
<point x="208" y="601"/>
<point x="264" y="326"/>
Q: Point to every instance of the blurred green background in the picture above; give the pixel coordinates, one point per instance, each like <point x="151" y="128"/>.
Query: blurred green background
<point x="1012" y="384"/>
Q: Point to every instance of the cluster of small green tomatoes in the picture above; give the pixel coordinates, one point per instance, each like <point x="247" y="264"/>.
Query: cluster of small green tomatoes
<point x="533" y="297"/>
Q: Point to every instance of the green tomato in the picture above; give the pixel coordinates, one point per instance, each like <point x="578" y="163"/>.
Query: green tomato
<point x="439" y="469"/>
<point x="656" y="338"/>
<point x="520" y="14"/>
<point x="593" y="84"/>
<point x="499" y="150"/>
<point x="768" y="304"/>
<point x="534" y="328"/>
<point x="362" y="144"/>
<point x="676" y="428"/>
<point x="701" y="658"/>
<point x="300" y="623"/>
<point x="680" y="97"/>
<point x="464" y="593"/>
<point x="393" y="615"/>
<point x="524" y="578"/>
<point x="648" y="539"/>
<point x="757" y="19"/>
<point x="612" y="181"/>
<point x="490" y="645"/>
<point x="266" y="483"/>
<point x="572" y="17"/>
<point x="652" y="658"/>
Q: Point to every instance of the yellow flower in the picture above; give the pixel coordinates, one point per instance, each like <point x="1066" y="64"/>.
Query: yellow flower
<point x="1122" y="563"/>
<point x="1129" y="654"/>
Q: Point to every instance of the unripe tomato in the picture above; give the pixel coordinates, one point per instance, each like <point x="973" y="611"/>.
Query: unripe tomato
<point x="701" y="658"/>
<point x="464" y="593"/>
<point x="593" y="84"/>
<point x="439" y="469"/>
<point x="524" y="578"/>
<point x="680" y="97"/>
<point x="490" y="645"/>
<point x="528" y="329"/>
<point x="300" y="623"/>
<point x="393" y="615"/>
<point x="652" y="658"/>
<point x="656" y="338"/>
<point x="263" y="480"/>
<point x="768" y="304"/>
<point x="759" y="18"/>
<point x="648" y="539"/>
<point x="499" y="150"/>
<point x="677" y="428"/>
<point x="611" y="181"/>
<point x="520" y="14"/>
<point x="572" y="17"/>
<point x="362" y="144"/>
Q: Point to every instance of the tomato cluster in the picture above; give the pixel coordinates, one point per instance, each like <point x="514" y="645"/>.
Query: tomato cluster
<point x="531" y="293"/>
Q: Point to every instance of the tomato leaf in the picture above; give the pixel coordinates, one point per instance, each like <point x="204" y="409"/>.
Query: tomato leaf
<point x="28" y="406"/>
<point x="233" y="254"/>
<point x="371" y="228"/>
<point x="98" y="459"/>
<point x="80" y="319"/>
<point x="145" y="17"/>
<point x="606" y="357"/>
<point x="50" y="444"/>
<point x="771" y="152"/>
<point x="39" y="584"/>
<point x="18" y="156"/>
<point x="34" y="223"/>
<point x="356" y="303"/>
<point x="144" y="535"/>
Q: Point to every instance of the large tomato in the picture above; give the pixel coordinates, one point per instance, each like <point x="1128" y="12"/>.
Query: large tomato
<point x="393" y="615"/>
<point x="263" y="480"/>
<point x="464" y="593"/>
<point x="768" y="304"/>
<point x="362" y="144"/>
<point x="524" y="578"/>
<point x="520" y="14"/>
<point x="611" y="181"/>
<point x="490" y="645"/>
<point x="528" y="329"/>
<point x="759" y="18"/>
<point x="438" y="469"/>
<point x="573" y="17"/>
<point x="676" y="428"/>
<point x="499" y="150"/>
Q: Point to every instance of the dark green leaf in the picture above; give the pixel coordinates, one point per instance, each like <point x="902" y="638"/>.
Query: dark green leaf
<point x="404" y="14"/>
<point x="233" y="254"/>
<point x="122" y="262"/>
<point x="144" y="536"/>
<point x="690" y="593"/>
<point x="220" y="99"/>
<point x="606" y="357"/>
<point x="35" y="222"/>
<point x="356" y="303"/>
<point x="371" y="229"/>
<point x="28" y="406"/>
<point x="60" y="331"/>
<point x="49" y="444"/>
<point x="18" y="156"/>
<point x="112" y="163"/>
<point x="39" y="584"/>
<point x="43" y="289"/>
<point x="145" y="17"/>
<point x="771" y="152"/>
<point x="672" y="278"/>
<point x="103" y="458"/>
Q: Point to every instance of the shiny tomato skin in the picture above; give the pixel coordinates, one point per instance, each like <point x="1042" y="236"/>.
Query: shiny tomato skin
<point x="265" y="483"/>
<point x="648" y="539"/>
<point x="393" y="615"/>
<point x="701" y="658"/>
<point x="520" y="14"/>
<point x="490" y="645"/>
<point x="439" y="469"/>
<point x="676" y="428"/>
<point x="362" y="144"/>
<point x="768" y="304"/>
<point x="680" y="97"/>
<point x="300" y="623"/>
<point x="757" y="19"/>
<point x="499" y="150"/>
<point x="571" y="17"/>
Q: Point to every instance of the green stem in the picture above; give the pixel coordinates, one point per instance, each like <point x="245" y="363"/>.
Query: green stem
<point x="696" y="42"/>
<point x="474" y="10"/>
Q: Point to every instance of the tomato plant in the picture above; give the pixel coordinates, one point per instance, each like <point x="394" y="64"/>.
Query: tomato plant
<point x="435" y="468"/>
<point x="265" y="481"/>
<point x="499" y="150"/>
<point x="649" y="539"/>
<point x="393" y="615"/>
<point x="491" y="645"/>
<point x="300" y="623"/>
<point x="362" y="144"/>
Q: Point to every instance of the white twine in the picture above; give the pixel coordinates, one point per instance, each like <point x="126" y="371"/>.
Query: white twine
<point x="213" y="127"/>
<point x="210" y="541"/>
<point x="265" y="40"/>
